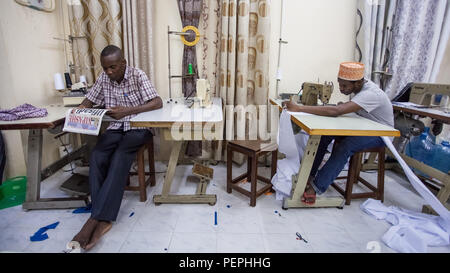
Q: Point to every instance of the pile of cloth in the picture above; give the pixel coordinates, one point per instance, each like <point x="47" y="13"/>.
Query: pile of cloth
<point x="21" y="112"/>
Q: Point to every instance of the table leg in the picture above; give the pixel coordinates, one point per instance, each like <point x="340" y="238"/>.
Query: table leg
<point x="33" y="200"/>
<point x="174" y="155"/>
<point x="299" y="184"/>
<point x="34" y="165"/>
<point x="165" y="197"/>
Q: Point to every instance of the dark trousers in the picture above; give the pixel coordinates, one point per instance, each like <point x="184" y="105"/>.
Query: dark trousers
<point x="109" y="165"/>
<point x="344" y="148"/>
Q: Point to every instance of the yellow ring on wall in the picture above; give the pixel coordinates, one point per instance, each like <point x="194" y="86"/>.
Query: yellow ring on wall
<point x="197" y="36"/>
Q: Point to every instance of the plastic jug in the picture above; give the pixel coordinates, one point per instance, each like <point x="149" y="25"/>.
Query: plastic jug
<point x="441" y="158"/>
<point x="422" y="149"/>
<point x="430" y="136"/>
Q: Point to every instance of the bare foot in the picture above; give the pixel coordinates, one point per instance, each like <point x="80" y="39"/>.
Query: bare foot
<point x="100" y="230"/>
<point x="86" y="232"/>
<point x="309" y="196"/>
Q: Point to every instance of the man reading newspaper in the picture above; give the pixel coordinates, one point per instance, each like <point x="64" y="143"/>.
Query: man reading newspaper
<point x="125" y="91"/>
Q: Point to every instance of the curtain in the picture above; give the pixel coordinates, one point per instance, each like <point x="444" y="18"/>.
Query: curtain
<point x="138" y="42"/>
<point x="420" y="34"/>
<point x="100" y="23"/>
<point x="210" y="29"/>
<point x="243" y="71"/>
<point x="375" y="38"/>
<point x="138" y="35"/>
<point x="190" y="11"/>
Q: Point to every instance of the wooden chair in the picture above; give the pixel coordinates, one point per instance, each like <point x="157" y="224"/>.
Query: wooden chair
<point x="353" y="177"/>
<point x="252" y="149"/>
<point x="142" y="187"/>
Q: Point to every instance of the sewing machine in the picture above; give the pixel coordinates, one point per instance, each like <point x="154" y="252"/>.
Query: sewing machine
<point x="310" y="92"/>
<point x="422" y="96"/>
<point x="414" y="102"/>
<point x="421" y="93"/>
<point x="203" y="96"/>
<point x="313" y="91"/>
<point x="76" y="95"/>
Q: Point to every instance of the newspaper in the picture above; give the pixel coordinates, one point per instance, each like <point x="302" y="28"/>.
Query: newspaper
<point x="84" y="121"/>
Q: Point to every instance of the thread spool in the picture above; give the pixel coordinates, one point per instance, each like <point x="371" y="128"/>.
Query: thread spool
<point x="59" y="84"/>
<point x="83" y="79"/>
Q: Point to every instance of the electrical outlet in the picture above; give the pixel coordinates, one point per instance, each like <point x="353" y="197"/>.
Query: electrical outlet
<point x="37" y="4"/>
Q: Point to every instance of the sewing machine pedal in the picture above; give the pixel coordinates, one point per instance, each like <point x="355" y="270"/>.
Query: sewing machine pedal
<point x="202" y="171"/>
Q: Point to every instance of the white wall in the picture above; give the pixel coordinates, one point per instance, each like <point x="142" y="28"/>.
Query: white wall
<point x="320" y="35"/>
<point x="167" y="15"/>
<point x="29" y="57"/>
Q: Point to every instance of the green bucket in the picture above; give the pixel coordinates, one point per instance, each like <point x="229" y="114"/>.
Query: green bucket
<point x="13" y="191"/>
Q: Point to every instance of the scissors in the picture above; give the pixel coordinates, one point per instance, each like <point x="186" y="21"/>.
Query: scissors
<point x="300" y="237"/>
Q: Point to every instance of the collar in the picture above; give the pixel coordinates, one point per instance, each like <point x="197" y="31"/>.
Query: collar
<point x="125" y="76"/>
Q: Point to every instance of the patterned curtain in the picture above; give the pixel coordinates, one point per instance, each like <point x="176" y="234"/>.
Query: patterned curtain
<point x="244" y="62"/>
<point x="375" y="37"/>
<point x="100" y="22"/>
<point x="190" y="11"/>
<point x="420" y="34"/>
<point x="210" y="28"/>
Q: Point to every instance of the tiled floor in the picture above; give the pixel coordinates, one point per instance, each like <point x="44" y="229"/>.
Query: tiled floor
<point x="190" y="227"/>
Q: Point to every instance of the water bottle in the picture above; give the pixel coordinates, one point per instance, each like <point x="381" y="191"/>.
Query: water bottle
<point x="431" y="138"/>
<point x="441" y="158"/>
<point x="422" y="149"/>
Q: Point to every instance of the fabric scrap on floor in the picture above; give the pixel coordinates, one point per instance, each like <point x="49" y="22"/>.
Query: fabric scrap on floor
<point x="411" y="232"/>
<point x="41" y="234"/>
<point x="86" y="209"/>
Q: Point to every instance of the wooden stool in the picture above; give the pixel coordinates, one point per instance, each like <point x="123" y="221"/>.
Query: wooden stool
<point x="142" y="188"/>
<point x="353" y="177"/>
<point x="251" y="148"/>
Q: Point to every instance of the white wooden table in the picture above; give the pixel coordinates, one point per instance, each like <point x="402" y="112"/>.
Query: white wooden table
<point x="180" y="123"/>
<point x="317" y="126"/>
<point x="54" y="119"/>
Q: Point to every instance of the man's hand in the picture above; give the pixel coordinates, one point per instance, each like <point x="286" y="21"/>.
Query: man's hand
<point x="118" y="112"/>
<point x="290" y="106"/>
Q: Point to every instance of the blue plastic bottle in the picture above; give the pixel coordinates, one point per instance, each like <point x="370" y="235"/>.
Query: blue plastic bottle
<point x="422" y="149"/>
<point x="430" y="137"/>
<point x="441" y="158"/>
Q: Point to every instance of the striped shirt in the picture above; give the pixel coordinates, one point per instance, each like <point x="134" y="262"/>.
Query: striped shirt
<point x="134" y="90"/>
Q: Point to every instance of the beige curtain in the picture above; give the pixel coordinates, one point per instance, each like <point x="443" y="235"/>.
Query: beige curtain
<point x="208" y="65"/>
<point x="243" y="71"/>
<point x="100" y="23"/>
<point x="138" y="35"/>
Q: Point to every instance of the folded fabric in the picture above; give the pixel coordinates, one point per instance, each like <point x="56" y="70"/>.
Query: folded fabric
<point x="40" y="235"/>
<point x="21" y="112"/>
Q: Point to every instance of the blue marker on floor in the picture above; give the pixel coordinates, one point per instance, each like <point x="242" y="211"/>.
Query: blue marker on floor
<point x="215" y="218"/>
